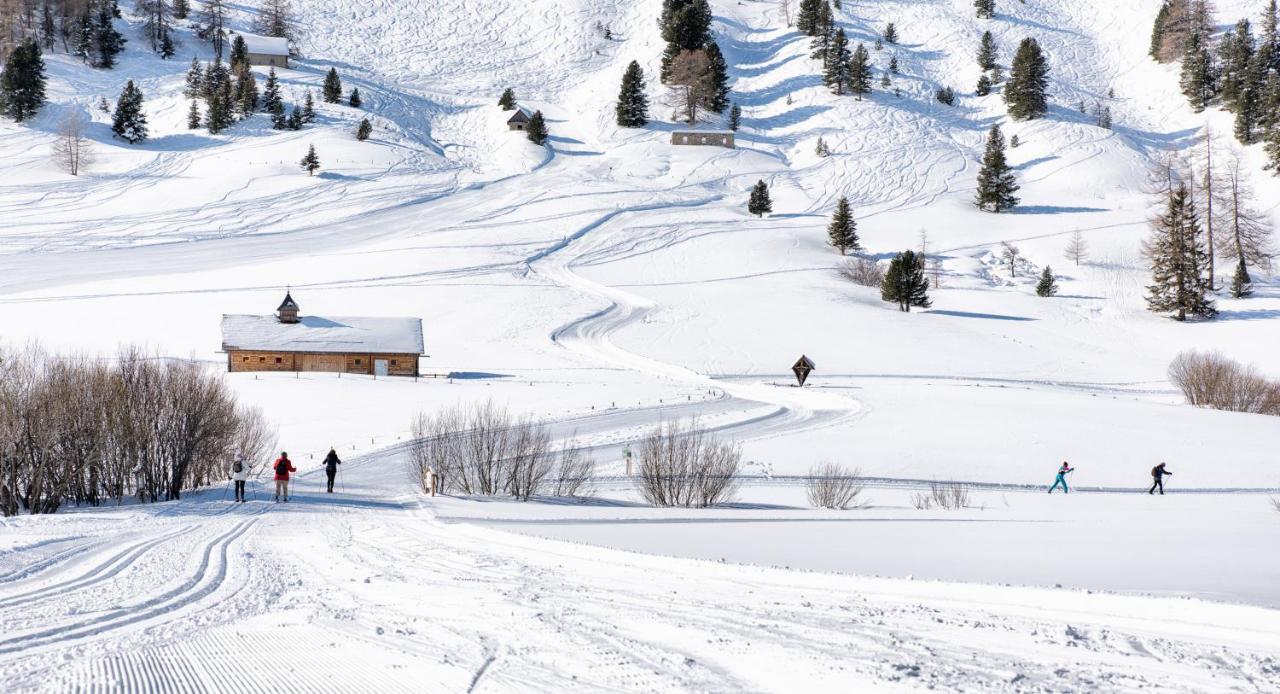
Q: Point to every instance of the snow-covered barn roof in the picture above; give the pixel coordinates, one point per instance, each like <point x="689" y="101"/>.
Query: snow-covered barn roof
<point x="522" y="115"/>
<point x="262" y="45"/>
<point x="332" y="334"/>
<point x="702" y="132"/>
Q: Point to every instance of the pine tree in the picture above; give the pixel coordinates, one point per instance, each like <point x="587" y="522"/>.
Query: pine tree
<point x="364" y="130"/>
<point x="193" y="116"/>
<point x="821" y="149"/>
<point x="195" y="80"/>
<point x="1255" y="102"/>
<point x="1158" y="30"/>
<point x="1271" y="34"/>
<point x="181" y="9"/>
<point x="508" y="99"/>
<point x="860" y="72"/>
<point x="905" y="283"/>
<point x="1048" y="284"/>
<point x="735" y="117"/>
<point x="1235" y="52"/>
<point x="843" y="230"/>
<point x="836" y="75"/>
<point x="996" y="182"/>
<point x="759" y="203"/>
<point x="218" y="106"/>
<point x="308" y="108"/>
<point x="807" y="18"/>
<point x="106" y="42"/>
<point x="296" y="120"/>
<point x="1241" y="283"/>
<point x="824" y="34"/>
<point x="1178" y="260"/>
<point x="22" y="83"/>
<point x="984" y="86"/>
<point x="536" y="130"/>
<point x="987" y="51"/>
<point x="986" y="9"/>
<point x="271" y="92"/>
<point x="893" y="64"/>
<point x="885" y="82"/>
<point x="632" y="109"/>
<point x="166" y="49"/>
<point x="246" y="91"/>
<point x="311" y="162"/>
<point x="157" y="16"/>
<point x="239" y="52"/>
<point x="332" y="87"/>
<point x="1272" y="148"/>
<point x="1026" y="92"/>
<point x="1104" y="118"/>
<point x="891" y="34"/>
<point x="945" y="95"/>
<point x="718" y="75"/>
<point x="355" y="101"/>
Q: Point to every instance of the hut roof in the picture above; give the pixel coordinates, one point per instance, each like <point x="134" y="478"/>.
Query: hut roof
<point x="522" y="115"/>
<point x="262" y="45"/>
<point x="334" y="334"/>
<point x="288" y="304"/>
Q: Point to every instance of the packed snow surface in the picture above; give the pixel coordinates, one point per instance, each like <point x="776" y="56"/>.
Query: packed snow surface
<point x="610" y="281"/>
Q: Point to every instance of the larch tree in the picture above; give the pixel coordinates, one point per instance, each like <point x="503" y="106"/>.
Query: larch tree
<point x="1077" y="250"/>
<point x="842" y="232"/>
<point x="759" y="203"/>
<point x="1179" y="266"/>
<point x="1247" y="234"/>
<point x="1026" y="93"/>
<point x="996" y="181"/>
<point x="690" y="80"/>
<point x="212" y="21"/>
<point x="632" y="109"/>
<point x="128" y="122"/>
<point x="157" y="20"/>
<point x="905" y="283"/>
<point x="275" y="18"/>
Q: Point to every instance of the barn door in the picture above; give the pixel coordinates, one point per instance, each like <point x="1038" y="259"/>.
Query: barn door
<point x="379" y="367"/>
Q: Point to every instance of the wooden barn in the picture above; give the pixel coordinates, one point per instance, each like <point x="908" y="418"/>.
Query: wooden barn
<point x="520" y="119"/>
<point x="262" y="50"/>
<point x="711" y="138"/>
<point x="288" y="341"/>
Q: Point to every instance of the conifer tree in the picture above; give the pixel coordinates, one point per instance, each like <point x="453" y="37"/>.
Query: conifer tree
<point x="1272" y="148"/>
<point x="824" y="34"/>
<point x="364" y="130"/>
<point x="807" y="17"/>
<point x="193" y="116"/>
<point x="1158" y="29"/>
<point x="893" y="63"/>
<point x="167" y="48"/>
<point x="332" y="87"/>
<point x="996" y="182"/>
<point x="355" y="101"/>
<point x="987" y="51"/>
<point x="275" y="18"/>
<point x="735" y="117"/>
<point x="718" y="76"/>
<point x="632" y="109"/>
<point x="239" y="53"/>
<point x="1235" y="52"/>
<point x="311" y="162"/>
<point x="195" y="80"/>
<point x="181" y="9"/>
<point x="860" y="72"/>
<point x="1048" y="284"/>
<point x="103" y="41"/>
<point x="759" y="203"/>
<point x="1104" y="118"/>
<point x="984" y="86"/>
<point x="1179" y="262"/>
<point x="821" y="149"/>
<point x="986" y="9"/>
<point x="891" y="34"/>
<point x="536" y="130"/>
<point x="1241" y="283"/>
<point x="213" y="19"/>
<point x="128" y="122"/>
<point x="905" y="283"/>
<point x="308" y="108"/>
<point x="837" y="74"/>
<point x="1198" y="78"/>
<point x="296" y="120"/>
<point x="1026" y="92"/>
<point x="157" y="16"/>
<point x="842" y="232"/>
<point x="246" y="91"/>
<point x="218" y="105"/>
<point x="508" y="99"/>
<point x="22" y="83"/>
<point x="272" y="103"/>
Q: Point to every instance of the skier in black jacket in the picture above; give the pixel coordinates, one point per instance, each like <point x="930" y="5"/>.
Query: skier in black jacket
<point x="1157" y="475"/>
<point x="331" y="464"/>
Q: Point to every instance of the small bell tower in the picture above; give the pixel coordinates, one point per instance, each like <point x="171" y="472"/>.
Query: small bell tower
<point x="288" y="311"/>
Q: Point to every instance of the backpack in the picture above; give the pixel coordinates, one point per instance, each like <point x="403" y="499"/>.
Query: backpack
<point x="282" y="467"/>
<point x="1155" y="471"/>
<point x="238" y="467"/>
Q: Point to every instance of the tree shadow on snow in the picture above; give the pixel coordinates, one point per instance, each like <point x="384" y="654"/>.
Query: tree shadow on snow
<point x="1054" y="209"/>
<point x="983" y="316"/>
<point x="1250" y="314"/>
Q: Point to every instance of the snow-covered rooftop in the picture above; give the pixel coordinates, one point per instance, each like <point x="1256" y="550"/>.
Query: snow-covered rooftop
<point x="341" y="334"/>
<point x="263" y="45"/>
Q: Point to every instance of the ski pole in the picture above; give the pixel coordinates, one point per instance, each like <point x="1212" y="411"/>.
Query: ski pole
<point x="224" y="488"/>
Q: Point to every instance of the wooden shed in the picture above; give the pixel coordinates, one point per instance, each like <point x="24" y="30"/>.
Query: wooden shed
<point x="262" y="50"/>
<point x="520" y="119"/>
<point x="711" y="138"/>
<point x="289" y="341"/>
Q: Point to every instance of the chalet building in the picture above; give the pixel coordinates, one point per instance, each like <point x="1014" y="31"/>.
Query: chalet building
<point x="289" y="341"/>
<point x="712" y="138"/>
<point x="519" y="120"/>
<point x="263" y="50"/>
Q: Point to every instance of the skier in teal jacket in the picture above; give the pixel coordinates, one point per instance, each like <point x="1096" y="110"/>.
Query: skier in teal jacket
<point x="1061" y="479"/>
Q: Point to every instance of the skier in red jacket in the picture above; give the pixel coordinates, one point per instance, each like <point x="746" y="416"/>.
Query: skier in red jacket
<point x="283" y="467"/>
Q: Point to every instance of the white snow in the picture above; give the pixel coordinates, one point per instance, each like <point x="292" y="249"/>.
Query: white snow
<point x="257" y="43"/>
<point x="346" y="334"/>
<point x="609" y="281"/>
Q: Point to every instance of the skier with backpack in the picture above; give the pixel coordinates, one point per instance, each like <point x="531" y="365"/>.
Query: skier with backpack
<point x="283" y="467"/>
<point x="239" y="473"/>
<point x="1157" y="475"/>
<point x="1061" y="479"/>
<point x="331" y="463"/>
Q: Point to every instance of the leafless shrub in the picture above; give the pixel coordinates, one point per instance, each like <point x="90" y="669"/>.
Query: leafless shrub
<point x="1209" y="379"/>
<point x="950" y="496"/>
<point x="575" y="473"/>
<point x="681" y="465"/>
<point x="72" y="151"/>
<point x="834" y="486"/>
<point x="863" y="271"/>
<point x="83" y="430"/>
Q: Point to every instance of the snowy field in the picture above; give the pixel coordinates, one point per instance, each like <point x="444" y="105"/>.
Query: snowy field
<point x="610" y="281"/>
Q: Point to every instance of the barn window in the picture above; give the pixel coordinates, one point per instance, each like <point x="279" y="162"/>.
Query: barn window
<point x="393" y="362"/>
<point x="246" y="358"/>
<point x="262" y="358"/>
<point x="279" y="360"/>
<point x="357" y="362"/>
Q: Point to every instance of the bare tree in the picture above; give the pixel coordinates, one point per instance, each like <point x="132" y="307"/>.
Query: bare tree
<point x="833" y="486"/>
<point x="212" y="20"/>
<point x="1077" y="248"/>
<point x="575" y="474"/>
<point x="681" y="465"/>
<point x="275" y="18"/>
<point x="1010" y="254"/>
<point x="786" y="11"/>
<point x="72" y="150"/>
<point x="1247" y="232"/>
<point x="691" y="82"/>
